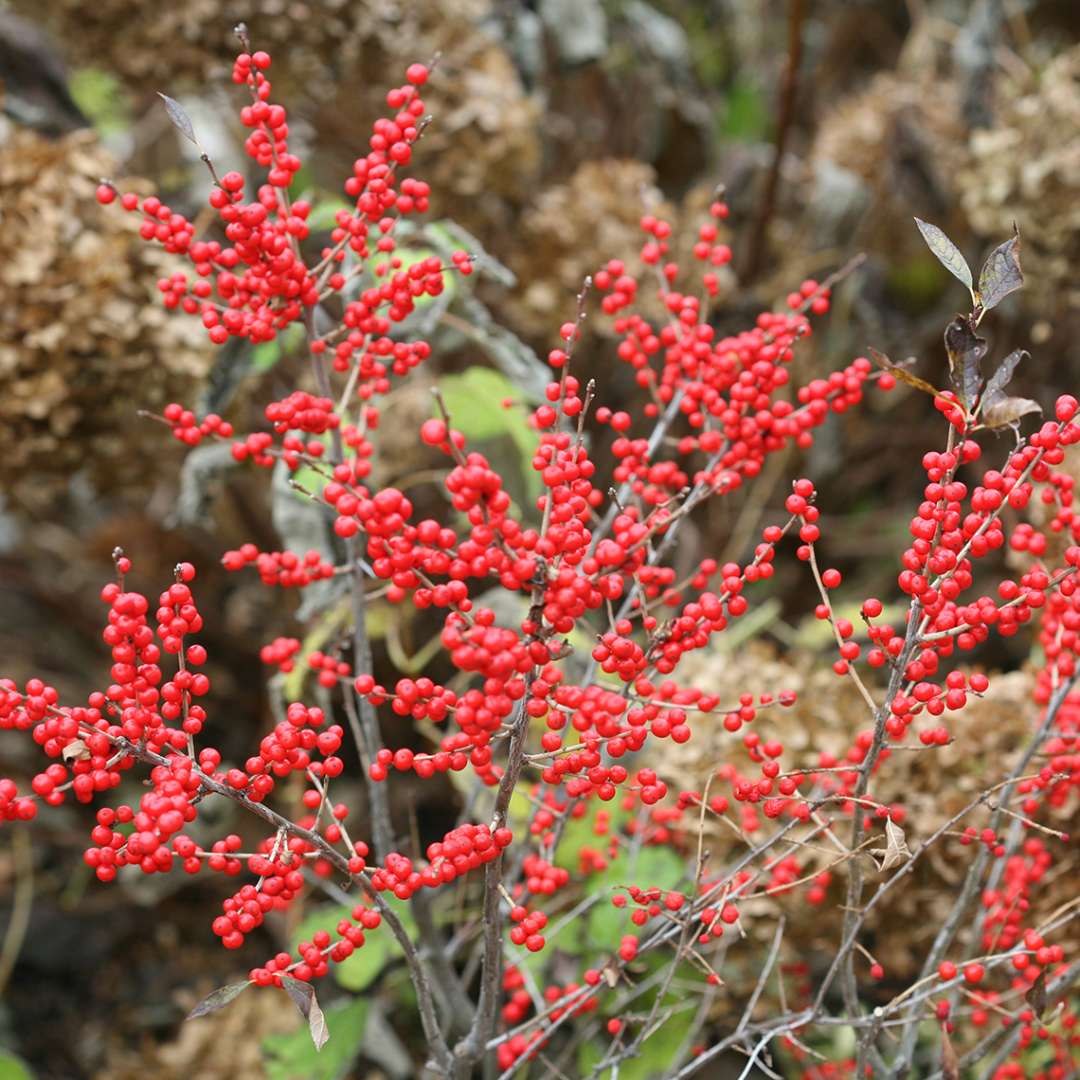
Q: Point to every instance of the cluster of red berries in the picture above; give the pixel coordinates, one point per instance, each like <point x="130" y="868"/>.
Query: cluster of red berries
<point x="461" y="850"/>
<point x="285" y="568"/>
<point x="13" y="806"/>
<point x="191" y="432"/>
<point x="288" y="749"/>
<point x="527" y="927"/>
<point x="163" y="811"/>
<point x="331" y="669"/>
<point x="718" y="407"/>
<point x="317" y="955"/>
<point x="521" y="1047"/>
<point x="281" y="653"/>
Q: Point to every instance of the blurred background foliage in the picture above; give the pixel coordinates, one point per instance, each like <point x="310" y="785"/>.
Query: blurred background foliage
<point x="557" y="123"/>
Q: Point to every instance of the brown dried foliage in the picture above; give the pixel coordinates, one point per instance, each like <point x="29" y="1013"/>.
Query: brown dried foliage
<point x="1023" y="169"/>
<point x="931" y="785"/>
<point x="84" y="340"/>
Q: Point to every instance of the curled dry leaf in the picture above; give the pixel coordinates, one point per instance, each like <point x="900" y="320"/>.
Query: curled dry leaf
<point x="896" y="851"/>
<point x="1003" y="411"/>
<point x="317" y="1024"/>
<point x="76" y="750"/>
<point x="904" y="375"/>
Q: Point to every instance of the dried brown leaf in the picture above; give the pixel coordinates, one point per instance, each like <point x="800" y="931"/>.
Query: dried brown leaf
<point x="1001" y="273"/>
<point x="317" y="1024"/>
<point x="896" y="851"/>
<point x="950" y="1064"/>
<point x="76" y="750"/>
<point x="179" y="117"/>
<point x="300" y="992"/>
<point x="1036" y="995"/>
<point x="1000" y="379"/>
<point x="948" y="254"/>
<point x="1003" y="411"/>
<point x="218" y="999"/>
<point x="303" y="997"/>
<point x="906" y="376"/>
<point x="966" y="351"/>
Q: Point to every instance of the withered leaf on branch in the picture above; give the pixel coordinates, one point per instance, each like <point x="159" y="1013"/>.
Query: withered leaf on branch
<point x="76" y="750"/>
<point x="904" y="375"/>
<point x="1036" y="995"/>
<point x="966" y="351"/>
<point x="303" y="997"/>
<point x="896" y="851"/>
<point x="950" y="1065"/>
<point x="179" y="117"/>
<point x="1003" y="411"/>
<point x="302" y="993"/>
<point x="317" y="1024"/>
<point x="948" y="254"/>
<point x="1001" y="273"/>
<point x="1000" y="379"/>
<point x="218" y="999"/>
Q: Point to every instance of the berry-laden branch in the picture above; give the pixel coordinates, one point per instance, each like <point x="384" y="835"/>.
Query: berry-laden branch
<point x="568" y="714"/>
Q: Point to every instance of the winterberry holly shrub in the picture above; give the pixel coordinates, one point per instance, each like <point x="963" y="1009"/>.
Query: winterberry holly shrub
<point x="575" y="917"/>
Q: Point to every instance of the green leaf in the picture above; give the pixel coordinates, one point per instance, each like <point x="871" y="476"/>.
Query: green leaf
<point x="653" y="866"/>
<point x="747" y="114"/>
<point x="1001" y="273"/>
<point x="12" y="1068"/>
<point x="310" y="479"/>
<point x="448" y="236"/>
<point x="474" y="400"/>
<point x="653" y="1058"/>
<point x="528" y="374"/>
<point x="607" y="925"/>
<point x="948" y="254"/>
<point x="293" y="1057"/>
<point x="366" y="963"/>
<point x="265" y="356"/>
<point x="324" y="213"/>
<point x="581" y="833"/>
<point x="102" y="99"/>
